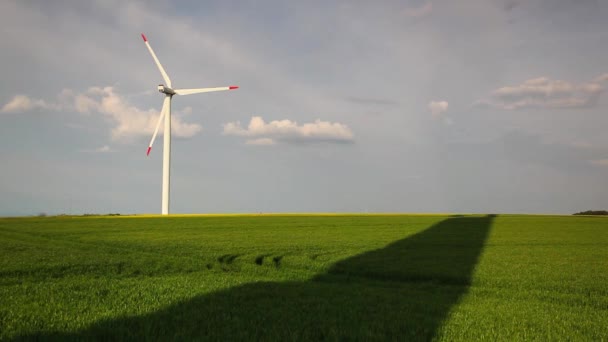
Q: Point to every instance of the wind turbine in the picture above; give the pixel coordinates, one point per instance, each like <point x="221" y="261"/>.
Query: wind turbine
<point x="166" y="114"/>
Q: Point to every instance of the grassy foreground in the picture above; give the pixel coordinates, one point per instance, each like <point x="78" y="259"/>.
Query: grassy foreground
<point x="305" y="278"/>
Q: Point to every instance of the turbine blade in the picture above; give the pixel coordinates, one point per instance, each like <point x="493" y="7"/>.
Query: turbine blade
<point x="160" y="67"/>
<point x="202" y="90"/>
<point x="166" y="104"/>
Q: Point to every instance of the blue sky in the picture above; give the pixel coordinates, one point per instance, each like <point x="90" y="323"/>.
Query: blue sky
<point x="386" y="106"/>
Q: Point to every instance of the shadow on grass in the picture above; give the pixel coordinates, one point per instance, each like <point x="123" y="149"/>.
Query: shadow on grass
<point x="402" y="291"/>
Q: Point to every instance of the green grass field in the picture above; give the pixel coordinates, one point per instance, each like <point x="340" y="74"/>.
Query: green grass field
<point x="305" y="277"/>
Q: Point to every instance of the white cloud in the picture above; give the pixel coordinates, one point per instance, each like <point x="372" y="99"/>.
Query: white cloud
<point x="260" y="142"/>
<point x="22" y="103"/>
<point x="129" y="121"/>
<point x="599" y="162"/>
<point x="289" y="131"/>
<point x="581" y="144"/>
<point x="543" y="92"/>
<point x="84" y="104"/>
<point x="421" y="11"/>
<point x="103" y="149"/>
<point x="437" y="108"/>
<point x="602" y="78"/>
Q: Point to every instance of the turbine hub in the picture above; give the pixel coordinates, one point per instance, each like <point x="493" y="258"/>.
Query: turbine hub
<point x="165" y="90"/>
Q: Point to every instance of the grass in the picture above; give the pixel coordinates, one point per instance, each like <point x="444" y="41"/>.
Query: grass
<point x="304" y="277"/>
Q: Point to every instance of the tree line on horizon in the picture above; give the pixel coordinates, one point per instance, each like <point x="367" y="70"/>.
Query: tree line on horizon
<point x="592" y="212"/>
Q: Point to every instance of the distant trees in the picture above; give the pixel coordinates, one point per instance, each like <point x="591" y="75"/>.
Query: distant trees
<point x="593" y="212"/>
<point x="85" y="214"/>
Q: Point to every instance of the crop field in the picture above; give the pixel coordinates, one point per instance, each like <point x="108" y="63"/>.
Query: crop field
<point x="305" y="277"/>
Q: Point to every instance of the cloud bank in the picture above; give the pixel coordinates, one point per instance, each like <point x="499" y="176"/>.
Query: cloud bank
<point x="261" y="133"/>
<point x="544" y="92"/>
<point x="21" y="103"/>
<point x="129" y="121"/>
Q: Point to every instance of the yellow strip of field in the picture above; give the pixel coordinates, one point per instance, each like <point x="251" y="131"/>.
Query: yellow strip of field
<point x="276" y="214"/>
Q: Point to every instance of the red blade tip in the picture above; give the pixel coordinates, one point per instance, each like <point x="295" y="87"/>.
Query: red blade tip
<point x="148" y="153"/>
<point x="233" y="87"/>
<point x="144" y="37"/>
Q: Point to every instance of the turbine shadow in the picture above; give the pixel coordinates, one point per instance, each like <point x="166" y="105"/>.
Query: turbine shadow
<point x="403" y="291"/>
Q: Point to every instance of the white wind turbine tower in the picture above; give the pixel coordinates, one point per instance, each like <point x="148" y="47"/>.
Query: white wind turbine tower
<point x="166" y="114"/>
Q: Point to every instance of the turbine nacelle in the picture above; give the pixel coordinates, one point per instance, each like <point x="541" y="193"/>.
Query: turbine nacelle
<point x="165" y="90"/>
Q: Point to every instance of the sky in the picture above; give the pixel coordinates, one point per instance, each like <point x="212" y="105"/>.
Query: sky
<point x="472" y="106"/>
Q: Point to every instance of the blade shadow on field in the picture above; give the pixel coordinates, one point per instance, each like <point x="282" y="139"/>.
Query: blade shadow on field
<point x="405" y="290"/>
